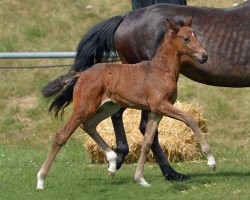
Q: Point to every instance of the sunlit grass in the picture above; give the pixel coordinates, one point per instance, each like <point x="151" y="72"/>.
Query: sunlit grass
<point x="73" y="176"/>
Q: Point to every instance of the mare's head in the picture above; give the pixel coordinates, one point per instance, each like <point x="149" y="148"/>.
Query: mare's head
<point x="185" y="41"/>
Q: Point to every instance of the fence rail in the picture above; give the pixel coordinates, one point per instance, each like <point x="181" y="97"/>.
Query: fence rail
<point x="41" y="55"/>
<point x="28" y="55"/>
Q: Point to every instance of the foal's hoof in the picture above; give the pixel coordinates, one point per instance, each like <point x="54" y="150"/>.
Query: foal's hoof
<point x="40" y="188"/>
<point x="40" y="182"/>
<point x="211" y="162"/>
<point x="212" y="167"/>
<point x="112" y="174"/>
<point x="176" y="177"/>
<point x="142" y="182"/>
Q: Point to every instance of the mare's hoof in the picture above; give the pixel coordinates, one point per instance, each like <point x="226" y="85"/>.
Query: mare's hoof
<point x="177" y="177"/>
<point x="120" y="160"/>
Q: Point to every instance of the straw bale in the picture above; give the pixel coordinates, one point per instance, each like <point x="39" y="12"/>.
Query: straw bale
<point x="177" y="140"/>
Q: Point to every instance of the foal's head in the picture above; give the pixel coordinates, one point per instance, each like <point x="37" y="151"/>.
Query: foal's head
<point x="185" y="41"/>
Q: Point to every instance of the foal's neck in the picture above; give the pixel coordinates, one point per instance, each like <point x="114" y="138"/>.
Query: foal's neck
<point x="166" y="58"/>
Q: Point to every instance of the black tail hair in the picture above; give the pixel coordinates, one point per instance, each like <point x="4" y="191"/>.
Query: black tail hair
<point x="63" y="99"/>
<point x="64" y="86"/>
<point x="96" y="46"/>
<point x="55" y="86"/>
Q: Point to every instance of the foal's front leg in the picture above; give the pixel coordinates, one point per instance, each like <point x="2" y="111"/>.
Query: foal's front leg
<point x="168" y="172"/>
<point x="169" y="110"/>
<point x="152" y="124"/>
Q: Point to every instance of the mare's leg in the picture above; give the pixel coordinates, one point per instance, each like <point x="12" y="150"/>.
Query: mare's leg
<point x="90" y="127"/>
<point x="61" y="138"/>
<point x="168" y="172"/>
<point x="169" y="110"/>
<point x="152" y="124"/>
<point x="121" y="140"/>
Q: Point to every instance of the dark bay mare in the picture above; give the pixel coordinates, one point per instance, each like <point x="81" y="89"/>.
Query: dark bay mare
<point x="224" y="33"/>
<point x="149" y="85"/>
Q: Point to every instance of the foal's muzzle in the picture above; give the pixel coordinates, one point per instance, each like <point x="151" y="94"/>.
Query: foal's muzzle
<point x="202" y="58"/>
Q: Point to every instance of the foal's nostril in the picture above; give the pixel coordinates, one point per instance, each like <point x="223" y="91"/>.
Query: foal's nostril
<point x="204" y="57"/>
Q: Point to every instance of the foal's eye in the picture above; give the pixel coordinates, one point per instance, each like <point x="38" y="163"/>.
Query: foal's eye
<point x="186" y="39"/>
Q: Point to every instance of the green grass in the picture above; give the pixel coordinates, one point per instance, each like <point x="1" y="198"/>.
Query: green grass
<point x="73" y="177"/>
<point x="27" y="130"/>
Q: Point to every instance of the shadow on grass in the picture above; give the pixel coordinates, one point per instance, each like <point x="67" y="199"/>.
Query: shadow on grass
<point x="220" y="174"/>
<point x="207" y="180"/>
<point x="198" y="180"/>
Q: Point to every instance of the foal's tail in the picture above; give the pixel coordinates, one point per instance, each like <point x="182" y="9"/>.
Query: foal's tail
<point x="55" y="86"/>
<point x="96" y="46"/>
<point x="63" y="88"/>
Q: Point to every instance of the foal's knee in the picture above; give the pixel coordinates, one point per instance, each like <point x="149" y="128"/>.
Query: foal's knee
<point x="190" y="121"/>
<point x="147" y="144"/>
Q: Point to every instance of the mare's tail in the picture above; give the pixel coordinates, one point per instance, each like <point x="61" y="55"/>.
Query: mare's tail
<point x="96" y="46"/>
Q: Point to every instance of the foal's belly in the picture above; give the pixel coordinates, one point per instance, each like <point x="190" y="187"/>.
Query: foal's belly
<point x="131" y="102"/>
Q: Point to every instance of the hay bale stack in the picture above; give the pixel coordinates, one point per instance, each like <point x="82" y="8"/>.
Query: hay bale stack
<point x="177" y="140"/>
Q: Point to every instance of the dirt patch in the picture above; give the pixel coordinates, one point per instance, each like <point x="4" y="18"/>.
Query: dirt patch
<point x="23" y="103"/>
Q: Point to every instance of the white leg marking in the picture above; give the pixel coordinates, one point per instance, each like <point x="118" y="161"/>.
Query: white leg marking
<point x="40" y="181"/>
<point x="211" y="161"/>
<point x="141" y="181"/>
<point x="111" y="158"/>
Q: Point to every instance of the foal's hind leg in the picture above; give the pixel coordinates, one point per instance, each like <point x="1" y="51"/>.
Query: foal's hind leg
<point x="169" y="110"/>
<point x="61" y="138"/>
<point x="90" y="127"/>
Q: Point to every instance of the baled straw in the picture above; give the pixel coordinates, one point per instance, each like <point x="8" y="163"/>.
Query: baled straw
<point x="176" y="139"/>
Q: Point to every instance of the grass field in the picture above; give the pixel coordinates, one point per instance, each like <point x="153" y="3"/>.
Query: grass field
<point x="27" y="130"/>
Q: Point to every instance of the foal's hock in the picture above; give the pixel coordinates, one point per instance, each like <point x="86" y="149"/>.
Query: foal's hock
<point x="150" y="85"/>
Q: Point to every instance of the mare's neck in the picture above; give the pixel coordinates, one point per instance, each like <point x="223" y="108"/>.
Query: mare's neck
<point x="166" y="58"/>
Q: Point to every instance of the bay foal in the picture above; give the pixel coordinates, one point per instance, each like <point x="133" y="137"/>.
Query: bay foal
<point x="150" y="85"/>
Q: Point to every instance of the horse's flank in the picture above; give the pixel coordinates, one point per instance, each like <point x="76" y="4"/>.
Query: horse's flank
<point x="225" y="34"/>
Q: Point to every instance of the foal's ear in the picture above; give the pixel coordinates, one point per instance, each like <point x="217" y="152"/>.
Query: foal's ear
<point x="188" y="21"/>
<point x="172" y="25"/>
